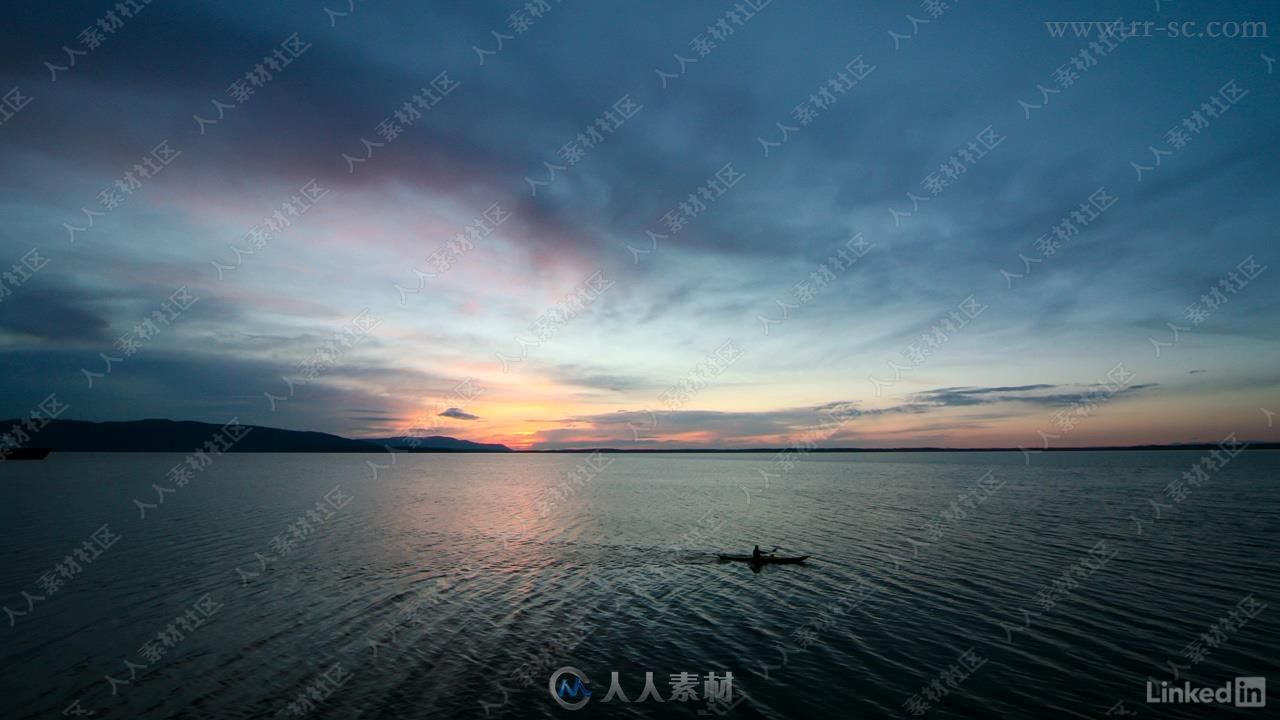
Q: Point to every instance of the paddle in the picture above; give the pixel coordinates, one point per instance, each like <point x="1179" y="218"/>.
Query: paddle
<point x="780" y="547"/>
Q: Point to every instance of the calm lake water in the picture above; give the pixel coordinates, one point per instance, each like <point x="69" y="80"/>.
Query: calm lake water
<point x="985" y="584"/>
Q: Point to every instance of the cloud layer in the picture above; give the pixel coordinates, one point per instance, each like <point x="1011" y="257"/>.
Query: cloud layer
<point x="542" y="246"/>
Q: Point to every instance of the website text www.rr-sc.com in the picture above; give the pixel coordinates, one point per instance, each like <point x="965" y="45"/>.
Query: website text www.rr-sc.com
<point x="1244" y="29"/>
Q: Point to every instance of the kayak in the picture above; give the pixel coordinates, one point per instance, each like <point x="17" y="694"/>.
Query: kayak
<point x="764" y="559"/>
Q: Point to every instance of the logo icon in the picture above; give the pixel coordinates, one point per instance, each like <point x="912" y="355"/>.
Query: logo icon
<point x="1251" y="692"/>
<point x="570" y="682"/>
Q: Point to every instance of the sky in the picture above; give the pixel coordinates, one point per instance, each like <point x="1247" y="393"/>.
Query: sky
<point x="645" y="224"/>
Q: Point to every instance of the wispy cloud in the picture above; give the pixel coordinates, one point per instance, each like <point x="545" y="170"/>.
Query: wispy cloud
<point x="1033" y="394"/>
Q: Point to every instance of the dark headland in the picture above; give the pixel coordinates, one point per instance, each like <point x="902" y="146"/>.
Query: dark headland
<point x="185" y="436"/>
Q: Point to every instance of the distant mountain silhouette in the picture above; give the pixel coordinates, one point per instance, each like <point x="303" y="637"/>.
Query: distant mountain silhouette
<point x="437" y="443"/>
<point x="185" y="436"/>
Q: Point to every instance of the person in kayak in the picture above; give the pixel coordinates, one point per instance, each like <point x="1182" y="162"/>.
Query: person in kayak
<point x="756" y="554"/>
